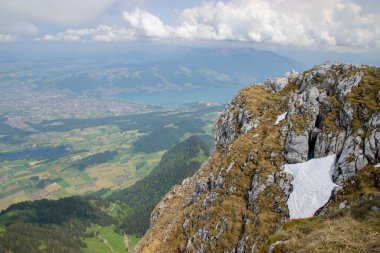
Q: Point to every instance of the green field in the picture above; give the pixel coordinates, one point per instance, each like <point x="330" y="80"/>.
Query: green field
<point x="133" y="240"/>
<point x="201" y="157"/>
<point x="90" y="223"/>
<point x="106" y="153"/>
<point x="104" y="240"/>
<point x="4" y="219"/>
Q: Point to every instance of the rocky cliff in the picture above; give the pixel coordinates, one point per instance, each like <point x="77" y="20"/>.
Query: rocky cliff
<point x="238" y="199"/>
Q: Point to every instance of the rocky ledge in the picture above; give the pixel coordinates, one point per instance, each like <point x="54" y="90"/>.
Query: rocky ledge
<point x="238" y="198"/>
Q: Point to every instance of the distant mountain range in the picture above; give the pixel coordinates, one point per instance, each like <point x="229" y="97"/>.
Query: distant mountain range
<point x="151" y="70"/>
<point x="183" y="69"/>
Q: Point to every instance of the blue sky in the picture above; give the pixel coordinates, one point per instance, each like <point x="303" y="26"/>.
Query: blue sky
<point x="336" y="27"/>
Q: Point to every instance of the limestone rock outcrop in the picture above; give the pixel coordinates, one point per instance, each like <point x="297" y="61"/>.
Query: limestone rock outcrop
<point x="237" y="199"/>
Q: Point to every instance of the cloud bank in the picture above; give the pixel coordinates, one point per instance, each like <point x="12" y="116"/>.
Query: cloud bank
<point x="23" y="17"/>
<point x="328" y="24"/>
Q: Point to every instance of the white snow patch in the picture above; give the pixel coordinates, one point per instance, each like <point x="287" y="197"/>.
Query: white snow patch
<point x="312" y="186"/>
<point x="377" y="165"/>
<point x="280" y="118"/>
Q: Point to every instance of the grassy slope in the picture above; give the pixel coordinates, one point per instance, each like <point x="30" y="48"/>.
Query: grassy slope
<point x="105" y="240"/>
<point x="355" y="228"/>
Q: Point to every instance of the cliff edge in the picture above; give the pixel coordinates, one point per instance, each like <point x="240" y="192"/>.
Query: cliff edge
<point x="303" y="147"/>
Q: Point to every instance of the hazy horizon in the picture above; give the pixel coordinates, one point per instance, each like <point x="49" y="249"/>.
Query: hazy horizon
<point x="310" y="32"/>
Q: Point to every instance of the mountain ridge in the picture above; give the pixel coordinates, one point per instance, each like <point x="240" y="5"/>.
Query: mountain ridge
<point x="238" y="199"/>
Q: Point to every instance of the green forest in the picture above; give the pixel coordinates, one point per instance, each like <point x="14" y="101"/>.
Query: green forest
<point x="68" y="224"/>
<point x="177" y="164"/>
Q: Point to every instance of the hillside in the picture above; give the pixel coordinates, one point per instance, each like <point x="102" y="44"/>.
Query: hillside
<point x="176" y="164"/>
<point x="293" y="156"/>
<point x="91" y="224"/>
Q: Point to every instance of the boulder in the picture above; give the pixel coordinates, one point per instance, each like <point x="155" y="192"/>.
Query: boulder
<point x="346" y="84"/>
<point x="278" y="84"/>
<point x="351" y="160"/>
<point x="346" y="115"/>
<point x="372" y="146"/>
<point x="296" y="147"/>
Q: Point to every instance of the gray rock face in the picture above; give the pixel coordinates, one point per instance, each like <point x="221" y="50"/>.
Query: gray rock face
<point x="202" y="234"/>
<point x="240" y="246"/>
<point x="245" y="121"/>
<point x="372" y="147"/>
<point x="313" y="94"/>
<point x="372" y="141"/>
<point x="314" y="141"/>
<point x="327" y="83"/>
<point x="296" y="147"/>
<point x="280" y="83"/>
<point x="346" y="115"/>
<point x="283" y="181"/>
<point x="225" y="131"/>
<point x="374" y="121"/>
<point x="199" y="189"/>
<point x="211" y="182"/>
<point x="345" y="85"/>
<point x="319" y="123"/>
<point x="351" y="160"/>
<point x="185" y="223"/>
<point x="256" y="188"/>
<point x="329" y="143"/>
<point x="219" y="180"/>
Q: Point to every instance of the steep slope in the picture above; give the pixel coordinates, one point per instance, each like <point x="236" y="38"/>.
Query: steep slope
<point x="50" y="225"/>
<point x="66" y="225"/>
<point x="239" y="199"/>
<point x="178" y="163"/>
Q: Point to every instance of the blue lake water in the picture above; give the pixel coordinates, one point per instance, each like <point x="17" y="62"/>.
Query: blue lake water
<point x="38" y="154"/>
<point x="221" y="95"/>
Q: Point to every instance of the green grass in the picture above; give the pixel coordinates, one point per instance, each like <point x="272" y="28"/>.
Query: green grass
<point x="4" y="218"/>
<point x="63" y="183"/>
<point x="95" y="246"/>
<point x="133" y="240"/>
<point x="127" y="165"/>
<point x="201" y="157"/>
<point x="11" y="192"/>
<point x="107" y="234"/>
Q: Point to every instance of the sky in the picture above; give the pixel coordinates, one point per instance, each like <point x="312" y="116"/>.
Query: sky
<point x="304" y="28"/>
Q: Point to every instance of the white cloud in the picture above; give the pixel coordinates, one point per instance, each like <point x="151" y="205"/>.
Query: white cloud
<point x="330" y="24"/>
<point x="101" y="33"/>
<point x="19" y="28"/>
<point x="7" y="37"/>
<point x="313" y="23"/>
<point x="24" y="16"/>
<point x="146" y="24"/>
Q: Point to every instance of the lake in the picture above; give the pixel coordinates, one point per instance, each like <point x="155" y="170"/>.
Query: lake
<point x="174" y="98"/>
<point x="36" y="154"/>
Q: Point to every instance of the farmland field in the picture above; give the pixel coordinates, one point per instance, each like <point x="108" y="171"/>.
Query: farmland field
<point x="104" y="239"/>
<point x="66" y="157"/>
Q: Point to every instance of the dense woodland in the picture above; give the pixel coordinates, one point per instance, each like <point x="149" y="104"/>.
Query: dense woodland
<point x="95" y="159"/>
<point x="60" y="226"/>
<point x="165" y="137"/>
<point x="177" y="164"/>
<point x="51" y="226"/>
